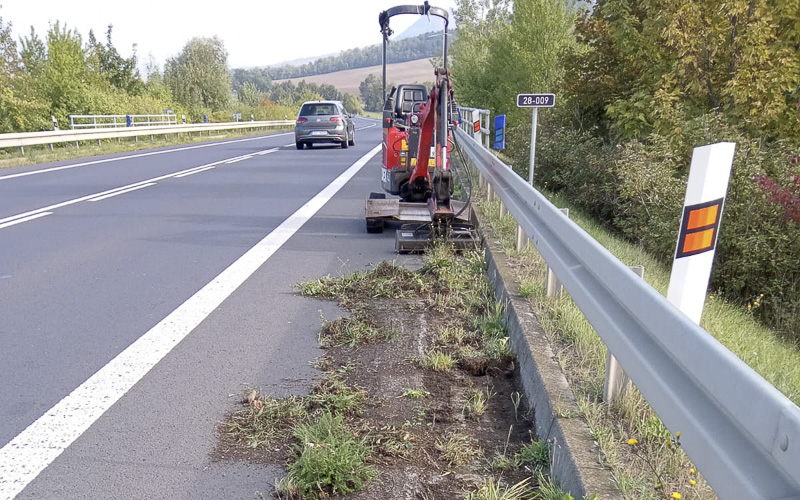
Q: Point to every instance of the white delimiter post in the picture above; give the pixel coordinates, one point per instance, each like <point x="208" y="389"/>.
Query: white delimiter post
<point x="702" y="213"/>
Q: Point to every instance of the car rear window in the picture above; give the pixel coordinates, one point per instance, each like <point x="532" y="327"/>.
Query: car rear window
<point x="318" y="109"/>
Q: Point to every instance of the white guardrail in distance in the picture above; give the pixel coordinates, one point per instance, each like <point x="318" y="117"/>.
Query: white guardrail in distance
<point x="741" y="432"/>
<point x="118" y="121"/>
<point x="19" y="140"/>
<point x="470" y="116"/>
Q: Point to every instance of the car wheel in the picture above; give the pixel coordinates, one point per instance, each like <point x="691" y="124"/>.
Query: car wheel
<point x="352" y="140"/>
<point x="299" y="145"/>
<point x="344" y="143"/>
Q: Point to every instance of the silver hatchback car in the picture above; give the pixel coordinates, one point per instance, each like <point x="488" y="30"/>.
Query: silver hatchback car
<point x="324" y="121"/>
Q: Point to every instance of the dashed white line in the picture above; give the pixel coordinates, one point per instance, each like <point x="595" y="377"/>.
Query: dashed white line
<point x="109" y="191"/>
<point x="33" y="449"/>
<point x="195" y="171"/>
<point x="24" y="219"/>
<point x="122" y="191"/>
<point x="235" y="160"/>
<point x="139" y="155"/>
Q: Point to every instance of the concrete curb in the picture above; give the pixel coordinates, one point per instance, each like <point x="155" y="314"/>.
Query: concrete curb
<point x="573" y="452"/>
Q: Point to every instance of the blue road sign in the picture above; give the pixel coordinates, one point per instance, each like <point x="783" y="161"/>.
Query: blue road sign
<point x="500" y="132"/>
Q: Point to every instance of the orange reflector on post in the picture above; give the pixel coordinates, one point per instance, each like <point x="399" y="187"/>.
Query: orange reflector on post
<point x="477" y="126"/>
<point x="702" y="217"/>
<point x="699" y="228"/>
<point x="695" y="242"/>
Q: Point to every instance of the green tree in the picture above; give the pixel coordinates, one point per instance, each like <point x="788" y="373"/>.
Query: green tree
<point x="371" y="90"/>
<point x="198" y="77"/>
<point x="649" y="66"/>
<point x="249" y="95"/>
<point x="352" y="104"/>
<point x="106" y="61"/>
<point x="66" y="78"/>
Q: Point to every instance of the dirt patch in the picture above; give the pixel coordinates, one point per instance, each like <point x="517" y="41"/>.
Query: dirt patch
<point x="436" y="429"/>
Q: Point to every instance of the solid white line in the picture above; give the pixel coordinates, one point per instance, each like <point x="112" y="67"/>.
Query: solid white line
<point x="139" y="155"/>
<point x="24" y="219"/>
<point x="196" y="171"/>
<point x="33" y="449"/>
<point x="368" y="126"/>
<point x="116" y="193"/>
<point x="289" y="145"/>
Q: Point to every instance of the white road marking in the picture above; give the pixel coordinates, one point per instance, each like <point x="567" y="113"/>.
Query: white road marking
<point x="33" y="449"/>
<point x="24" y="219"/>
<point x="368" y="126"/>
<point x="268" y="151"/>
<point x="238" y="159"/>
<point x="289" y="145"/>
<point x="139" y="155"/>
<point x="195" y="171"/>
<point x="122" y="191"/>
<point x="96" y="195"/>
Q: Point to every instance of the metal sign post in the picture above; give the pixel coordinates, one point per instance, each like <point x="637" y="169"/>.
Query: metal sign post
<point x="535" y="101"/>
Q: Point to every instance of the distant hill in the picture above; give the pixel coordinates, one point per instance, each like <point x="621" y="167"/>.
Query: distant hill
<point x="423" y="25"/>
<point x="419" y="71"/>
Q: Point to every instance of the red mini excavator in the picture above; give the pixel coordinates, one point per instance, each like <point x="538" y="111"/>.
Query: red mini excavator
<point x="417" y="136"/>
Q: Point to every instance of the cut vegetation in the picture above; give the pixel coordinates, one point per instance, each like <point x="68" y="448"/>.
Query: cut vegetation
<point x="417" y="397"/>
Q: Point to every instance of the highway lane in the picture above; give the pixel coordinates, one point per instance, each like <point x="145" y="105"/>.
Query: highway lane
<point x="82" y="284"/>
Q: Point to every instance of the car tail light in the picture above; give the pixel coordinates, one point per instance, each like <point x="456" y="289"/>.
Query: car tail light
<point x="335" y="119"/>
<point x="302" y="120"/>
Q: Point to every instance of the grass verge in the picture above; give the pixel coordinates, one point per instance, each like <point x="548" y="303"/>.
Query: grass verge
<point x="384" y="420"/>
<point x="646" y="459"/>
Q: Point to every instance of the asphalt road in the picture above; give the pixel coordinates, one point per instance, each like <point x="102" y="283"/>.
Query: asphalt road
<point x="141" y="294"/>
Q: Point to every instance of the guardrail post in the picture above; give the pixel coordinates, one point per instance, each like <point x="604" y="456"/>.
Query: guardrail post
<point x="489" y="192"/>
<point x="522" y="238"/>
<point x="617" y="381"/>
<point x="22" y="150"/>
<point x="552" y="285"/>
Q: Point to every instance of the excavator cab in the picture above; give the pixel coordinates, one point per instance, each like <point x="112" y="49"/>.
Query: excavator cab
<point x="401" y="103"/>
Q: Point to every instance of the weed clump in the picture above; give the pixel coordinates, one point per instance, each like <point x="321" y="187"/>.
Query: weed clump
<point x="331" y="460"/>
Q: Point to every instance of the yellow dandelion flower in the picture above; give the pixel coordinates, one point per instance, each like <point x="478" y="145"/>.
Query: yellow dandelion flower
<point x="749" y="306"/>
<point x="692" y="470"/>
<point x="711" y="297"/>
<point x="692" y="482"/>
<point x="678" y="434"/>
<point x="762" y="295"/>
<point x="675" y="494"/>
<point x="633" y="441"/>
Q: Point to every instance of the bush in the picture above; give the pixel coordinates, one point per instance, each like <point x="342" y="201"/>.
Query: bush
<point x="638" y="189"/>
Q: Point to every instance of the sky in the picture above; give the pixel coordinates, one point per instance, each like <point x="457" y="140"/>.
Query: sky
<point x="255" y="32"/>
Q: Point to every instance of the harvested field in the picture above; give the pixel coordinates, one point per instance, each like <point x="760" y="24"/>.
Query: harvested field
<point x="419" y="71"/>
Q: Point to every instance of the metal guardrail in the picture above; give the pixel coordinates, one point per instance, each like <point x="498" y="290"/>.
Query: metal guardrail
<point x="115" y="121"/>
<point x="470" y="116"/>
<point x="20" y="140"/>
<point x="741" y="432"/>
